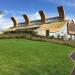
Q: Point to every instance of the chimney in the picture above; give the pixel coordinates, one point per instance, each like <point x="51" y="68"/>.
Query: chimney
<point x="42" y="15"/>
<point x="15" y="21"/>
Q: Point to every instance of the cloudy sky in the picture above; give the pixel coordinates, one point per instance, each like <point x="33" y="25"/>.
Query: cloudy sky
<point x="31" y="7"/>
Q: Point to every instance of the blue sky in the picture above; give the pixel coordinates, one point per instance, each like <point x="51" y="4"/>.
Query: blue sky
<point x="17" y="7"/>
<point x="31" y="7"/>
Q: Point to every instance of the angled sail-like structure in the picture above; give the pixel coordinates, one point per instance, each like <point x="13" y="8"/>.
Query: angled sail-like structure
<point x="15" y="21"/>
<point x="42" y="15"/>
<point x="61" y="13"/>
<point x="27" y="21"/>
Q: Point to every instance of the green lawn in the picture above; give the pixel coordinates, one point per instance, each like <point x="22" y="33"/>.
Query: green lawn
<point x="25" y="57"/>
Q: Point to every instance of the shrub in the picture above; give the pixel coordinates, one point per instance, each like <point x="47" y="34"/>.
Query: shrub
<point x="28" y="31"/>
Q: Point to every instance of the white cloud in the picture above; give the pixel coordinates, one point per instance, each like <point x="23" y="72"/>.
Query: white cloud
<point x="71" y="4"/>
<point x="12" y="12"/>
<point x="5" y="23"/>
<point x="34" y="16"/>
<point x="57" y="1"/>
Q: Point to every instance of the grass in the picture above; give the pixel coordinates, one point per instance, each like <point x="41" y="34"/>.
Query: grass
<point x="25" y="57"/>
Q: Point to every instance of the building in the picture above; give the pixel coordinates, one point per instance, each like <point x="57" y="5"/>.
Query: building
<point x="54" y="26"/>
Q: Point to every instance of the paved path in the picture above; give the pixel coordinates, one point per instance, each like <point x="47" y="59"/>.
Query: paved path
<point x="73" y="58"/>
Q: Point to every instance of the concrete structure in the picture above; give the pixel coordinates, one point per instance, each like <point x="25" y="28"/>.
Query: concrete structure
<point x="53" y="26"/>
<point x="49" y="26"/>
<point x="61" y="13"/>
<point x="15" y="21"/>
<point x="27" y="21"/>
<point x="42" y="15"/>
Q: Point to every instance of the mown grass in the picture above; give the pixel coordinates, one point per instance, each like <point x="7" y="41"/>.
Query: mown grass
<point x="25" y="57"/>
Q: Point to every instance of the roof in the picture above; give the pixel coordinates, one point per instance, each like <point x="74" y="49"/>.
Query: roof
<point x="53" y="27"/>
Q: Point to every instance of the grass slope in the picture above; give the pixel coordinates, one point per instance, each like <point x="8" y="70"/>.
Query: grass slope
<point x="25" y="57"/>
